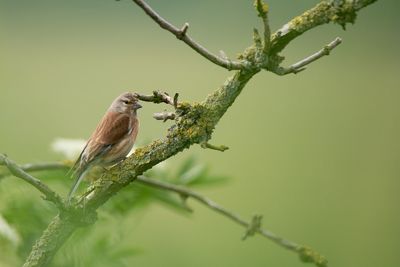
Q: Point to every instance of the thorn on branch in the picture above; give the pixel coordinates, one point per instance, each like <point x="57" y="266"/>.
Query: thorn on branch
<point x="254" y="226"/>
<point x="182" y="32"/>
<point x="221" y="148"/>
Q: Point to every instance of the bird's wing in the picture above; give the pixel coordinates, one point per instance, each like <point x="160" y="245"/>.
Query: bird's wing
<point x="110" y="130"/>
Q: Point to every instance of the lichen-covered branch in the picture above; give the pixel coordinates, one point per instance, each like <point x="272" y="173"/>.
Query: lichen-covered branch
<point x="49" y="194"/>
<point x="46" y="247"/>
<point x="336" y="11"/>
<point x="262" y="10"/>
<point x="251" y="227"/>
<point x="194" y="122"/>
<point x="194" y="126"/>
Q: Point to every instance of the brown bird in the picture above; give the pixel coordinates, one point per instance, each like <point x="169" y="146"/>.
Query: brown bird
<point x="112" y="140"/>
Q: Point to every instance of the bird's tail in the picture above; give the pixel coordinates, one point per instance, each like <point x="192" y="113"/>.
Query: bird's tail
<point x="79" y="173"/>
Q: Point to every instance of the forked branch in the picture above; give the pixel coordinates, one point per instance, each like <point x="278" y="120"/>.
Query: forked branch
<point x="196" y="124"/>
<point x="159" y="97"/>
<point x="252" y="227"/>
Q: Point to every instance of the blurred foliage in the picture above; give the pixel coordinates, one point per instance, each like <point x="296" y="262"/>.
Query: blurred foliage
<point x="103" y="245"/>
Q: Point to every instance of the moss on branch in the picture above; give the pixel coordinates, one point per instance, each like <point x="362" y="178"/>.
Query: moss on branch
<point x="336" y="11"/>
<point x="195" y="122"/>
<point x="194" y="126"/>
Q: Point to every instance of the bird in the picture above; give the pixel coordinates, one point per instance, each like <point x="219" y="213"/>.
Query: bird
<point x="112" y="139"/>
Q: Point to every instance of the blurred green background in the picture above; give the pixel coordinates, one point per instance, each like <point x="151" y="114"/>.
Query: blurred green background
<point x="318" y="153"/>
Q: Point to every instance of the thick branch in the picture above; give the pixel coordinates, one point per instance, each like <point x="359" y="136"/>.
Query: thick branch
<point x="20" y="173"/>
<point x="47" y="245"/>
<point x="193" y="127"/>
<point x="184" y="193"/>
<point x="195" y="123"/>
<point x="337" y="11"/>
<point x="181" y="34"/>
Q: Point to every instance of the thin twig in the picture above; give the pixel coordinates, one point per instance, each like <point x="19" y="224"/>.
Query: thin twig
<point x="263" y="9"/>
<point x="300" y="66"/>
<point x="31" y="167"/>
<point x="217" y="208"/>
<point x="159" y="97"/>
<point x="221" y="148"/>
<point x="20" y="173"/>
<point x="181" y="34"/>
<point x="164" y="116"/>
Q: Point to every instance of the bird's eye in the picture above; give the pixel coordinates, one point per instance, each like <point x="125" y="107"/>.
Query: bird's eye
<point x="126" y="102"/>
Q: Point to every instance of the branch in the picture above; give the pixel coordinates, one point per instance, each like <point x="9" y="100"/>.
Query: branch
<point x="336" y="11"/>
<point x="159" y="97"/>
<point x="164" y="116"/>
<point x="253" y="227"/>
<point x="215" y="207"/>
<point x="221" y="148"/>
<point x="195" y="124"/>
<point x="263" y="9"/>
<point x="50" y="195"/>
<point x="31" y="167"/>
<point x="193" y="127"/>
<point x="181" y="34"/>
<point x="300" y="66"/>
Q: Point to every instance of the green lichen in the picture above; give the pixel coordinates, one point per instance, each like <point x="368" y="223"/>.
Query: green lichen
<point x="309" y="255"/>
<point x="340" y="12"/>
<point x="261" y="7"/>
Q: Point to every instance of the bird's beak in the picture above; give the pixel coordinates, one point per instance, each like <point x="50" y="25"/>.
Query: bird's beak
<point x="137" y="106"/>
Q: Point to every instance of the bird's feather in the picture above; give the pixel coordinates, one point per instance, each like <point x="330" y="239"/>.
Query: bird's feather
<point x="109" y="131"/>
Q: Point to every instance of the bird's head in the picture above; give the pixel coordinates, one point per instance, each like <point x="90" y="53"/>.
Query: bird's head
<point x="126" y="103"/>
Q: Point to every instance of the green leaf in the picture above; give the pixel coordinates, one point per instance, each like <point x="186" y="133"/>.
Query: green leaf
<point x="186" y="165"/>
